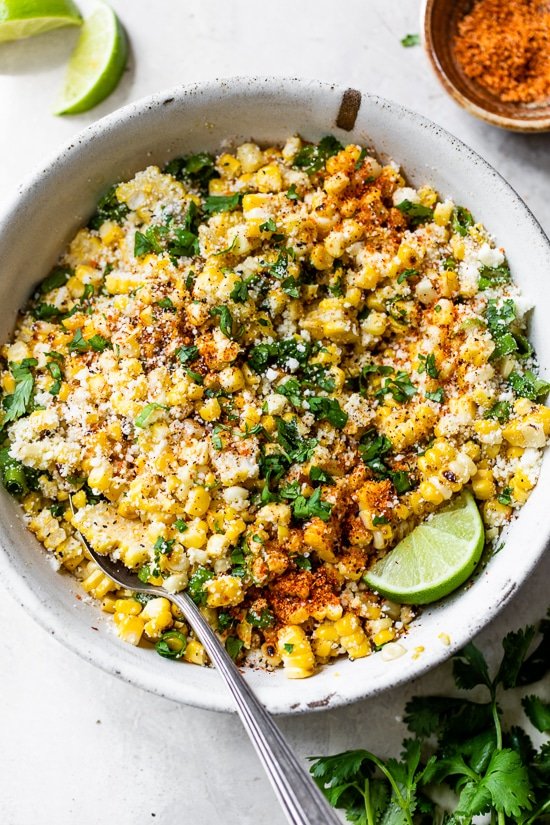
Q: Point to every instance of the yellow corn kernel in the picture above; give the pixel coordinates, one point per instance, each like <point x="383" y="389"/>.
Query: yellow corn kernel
<point x="228" y="166"/>
<point x="427" y="196"/>
<point x="317" y="537"/>
<point x="326" y="641"/>
<point x="526" y="432"/>
<point x="210" y="410"/>
<point x="488" y="431"/>
<point x="157" y="616"/>
<point x="129" y="628"/>
<point x="496" y="514"/>
<point x="79" y="499"/>
<point x="483" y="484"/>
<point x="352" y="636"/>
<point x="100" y="477"/>
<point x="218" y="186"/>
<point x="130" y="607"/>
<point x="250" y="157"/>
<point x="353" y="296"/>
<point x="198" y="501"/>
<point x="408" y="255"/>
<point x="442" y="213"/>
<point x="295" y="651"/>
<point x="521" y="486"/>
<point x="231" y="379"/>
<point x="195" y="653"/>
<point x="108" y="603"/>
<point x="111" y="233"/>
<point x="375" y="323"/>
<point x="449" y="283"/>
<point x="224" y="591"/>
<point x="195" y="535"/>
<point x="269" y="178"/>
<point x="457" y="247"/>
<point x="472" y="450"/>
<point x="368" y="277"/>
<point x="8" y="383"/>
<point x="430" y="492"/>
<point x="384" y="636"/>
<point x="320" y="258"/>
<point x="335" y="184"/>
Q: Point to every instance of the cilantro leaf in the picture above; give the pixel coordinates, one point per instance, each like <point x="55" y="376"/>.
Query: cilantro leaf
<point x="109" y="208"/>
<point x="227" y="324"/>
<point x="186" y="354"/>
<point x="470" y="668"/>
<point x="197" y="169"/>
<point x="537" y="665"/>
<point x="97" y="343"/>
<point x="313" y="157"/>
<point x="19" y="402"/>
<point x="461" y="220"/>
<point x="515" y="647"/>
<point x="327" y="409"/>
<point x="222" y="203"/>
<point x="410" y="40"/>
<point x="528" y="385"/>
<point x="195" y="588"/>
<point x="538" y="712"/>
<point x="143" y="418"/>
<point x="492" y="276"/>
<point x="501" y="411"/>
<point x="233" y="646"/>
<point x="416" y="213"/>
<point x="306" y="508"/>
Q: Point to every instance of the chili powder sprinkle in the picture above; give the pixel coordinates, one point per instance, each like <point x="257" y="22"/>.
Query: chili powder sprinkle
<point x="505" y="46"/>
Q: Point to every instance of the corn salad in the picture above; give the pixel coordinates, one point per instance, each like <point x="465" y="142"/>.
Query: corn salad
<point x="253" y="374"/>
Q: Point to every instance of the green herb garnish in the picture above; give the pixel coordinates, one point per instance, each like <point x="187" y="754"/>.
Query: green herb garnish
<point x="313" y="157"/>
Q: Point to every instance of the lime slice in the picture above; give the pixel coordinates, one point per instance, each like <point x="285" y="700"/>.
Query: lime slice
<point x="25" y="18"/>
<point x="433" y="560"/>
<point x="97" y="63"/>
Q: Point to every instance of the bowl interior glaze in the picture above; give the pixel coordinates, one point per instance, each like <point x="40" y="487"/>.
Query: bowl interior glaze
<point x="55" y="201"/>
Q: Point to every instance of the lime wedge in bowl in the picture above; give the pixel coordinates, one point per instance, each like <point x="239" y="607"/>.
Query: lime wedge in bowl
<point x="97" y="63"/>
<point x="436" y="558"/>
<point x="26" y="18"/>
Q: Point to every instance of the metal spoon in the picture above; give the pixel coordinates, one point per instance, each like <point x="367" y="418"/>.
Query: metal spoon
<point x="299" y="797"/>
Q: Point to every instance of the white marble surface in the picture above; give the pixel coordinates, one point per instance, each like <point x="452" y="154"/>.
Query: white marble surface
<point x="77" y="745"/>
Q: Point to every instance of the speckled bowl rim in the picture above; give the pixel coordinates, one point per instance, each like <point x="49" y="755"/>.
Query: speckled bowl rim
<point x="322" y="691"/>
<point x="512" y="124"/>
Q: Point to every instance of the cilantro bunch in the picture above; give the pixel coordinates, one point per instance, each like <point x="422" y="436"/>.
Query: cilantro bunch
<point x="459" y="744"/>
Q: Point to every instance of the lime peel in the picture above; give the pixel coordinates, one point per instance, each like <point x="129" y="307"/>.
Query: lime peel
<point x="97" y="63"/>
<point x="27" y="18"/>
<point x="435" y="558"/>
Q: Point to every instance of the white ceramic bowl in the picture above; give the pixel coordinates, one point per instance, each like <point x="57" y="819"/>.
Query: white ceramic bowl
<point x="58" y="199"/>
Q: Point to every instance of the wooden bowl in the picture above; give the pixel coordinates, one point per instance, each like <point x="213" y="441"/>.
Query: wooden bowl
<point x="441" y="18"/>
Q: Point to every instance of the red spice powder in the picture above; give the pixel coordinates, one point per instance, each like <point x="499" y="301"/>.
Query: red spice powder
<point x="505" y="46"/>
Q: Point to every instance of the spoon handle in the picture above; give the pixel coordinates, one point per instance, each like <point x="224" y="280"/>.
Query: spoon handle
<point x="299" y="797"/>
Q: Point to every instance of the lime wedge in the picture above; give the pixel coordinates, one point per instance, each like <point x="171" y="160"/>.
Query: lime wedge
<point x="25" y="18"/>
<point x="97" y="63"/>
<point x="433" y="560"/>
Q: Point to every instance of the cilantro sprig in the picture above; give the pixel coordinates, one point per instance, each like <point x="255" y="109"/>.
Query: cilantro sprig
<point x="490" y="770"/>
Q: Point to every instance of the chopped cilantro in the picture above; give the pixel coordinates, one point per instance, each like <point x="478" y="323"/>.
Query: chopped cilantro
<point x="268" y="226"/>
<point x="399" y="386"/>
<point x="306" y="508"/>
<point x="410" y="40"/>
<point x="407" y="273"/>
<point x="416" y="212"/>
<point x="260" y="620"/>
<point x="197" y="169"/>
<point x="227" y="325"/>
<point x="166" y="303"/>
<point x="461" y="220"/>
<point x="45" y="312"/>
<point x="233" y="646"/>
<point x="19" y="402"/>
<point x="302" y="562"/>
<point x="54" y="368"/>
<point x="317" y="474"/>
<point x="505" y="496"/>
<point x="427" y="364"/>
<point x="492" y="276"/>
<point x="186" y="354"/>
<point x="437" y="395"/>
<point x="501" y="410"/>
<point x="376" y="520"/>
<point x="222" y="203"/>
<point x="109" y="208"/>
<point x="292" y="194"/>
<point x="180" y="525"/>
<point x="13" y="474"/>
<point x="288" y="647"/>
<point x="313" y="157"/>
<point x="195" y="588"/>
<point x="97" y="343"/>
<point x="327" y="409"/>
<point x="373" y="449"/>
<point x="528" y="385"/>
<point x="57" y="277"/>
